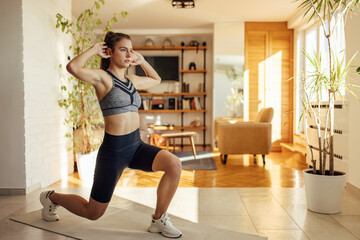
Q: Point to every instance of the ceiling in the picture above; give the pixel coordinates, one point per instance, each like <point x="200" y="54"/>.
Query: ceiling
<point x="159" y="14"/>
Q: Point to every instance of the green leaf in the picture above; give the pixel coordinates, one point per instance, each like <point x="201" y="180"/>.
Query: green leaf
<point x="97" y="5"/>
<point x="124" y="14"/>
<point x="113" y="20"/>
<point x="358" y="70"/>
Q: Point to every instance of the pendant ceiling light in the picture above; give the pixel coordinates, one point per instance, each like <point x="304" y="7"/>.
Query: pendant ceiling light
<point x="183" y="3"/>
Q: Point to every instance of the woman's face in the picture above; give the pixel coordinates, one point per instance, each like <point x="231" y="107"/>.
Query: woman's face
<point x="121" y="55"/>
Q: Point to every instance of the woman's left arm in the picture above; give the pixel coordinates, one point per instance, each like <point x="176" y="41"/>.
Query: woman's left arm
<point x="152" y="78"/>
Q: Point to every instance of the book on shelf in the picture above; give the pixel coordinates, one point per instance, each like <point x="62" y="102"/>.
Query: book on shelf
<point x="200" y="88"/>
<point x="179" y="104"/>
<point x="145" y="104"/>
<point x="197" y="103"/>
<point x="172" y="103"/>
<point x="185" y="87"/>
<point x="192" y="103"/>
<point x="157" y="103"/>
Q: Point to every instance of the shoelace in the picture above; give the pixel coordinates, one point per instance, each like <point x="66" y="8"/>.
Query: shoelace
<point x="166" y="220"/>
<point x="53" y="208"/>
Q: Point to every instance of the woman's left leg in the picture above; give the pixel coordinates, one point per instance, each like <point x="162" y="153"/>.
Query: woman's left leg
<point x="171" y="165"/>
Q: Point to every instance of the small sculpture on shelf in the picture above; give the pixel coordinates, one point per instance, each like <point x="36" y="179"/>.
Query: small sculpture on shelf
<point x="195" y="123"/>
<point x="167" y="43"/>
<point x="149" y="42"/>
<point x="192" y="66"/>
<point x="194" y="43"/>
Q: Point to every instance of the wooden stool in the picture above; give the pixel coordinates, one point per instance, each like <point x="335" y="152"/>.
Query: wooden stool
<point x="190" y="135"/>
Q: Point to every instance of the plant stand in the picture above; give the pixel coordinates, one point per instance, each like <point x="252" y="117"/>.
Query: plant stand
<point x="86" y="165"/>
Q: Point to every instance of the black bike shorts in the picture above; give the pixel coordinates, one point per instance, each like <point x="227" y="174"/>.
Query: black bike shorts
<point x="115" y="154"/>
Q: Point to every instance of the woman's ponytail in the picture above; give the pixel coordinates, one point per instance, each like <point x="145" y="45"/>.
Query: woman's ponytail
<point x="110" y="40"/>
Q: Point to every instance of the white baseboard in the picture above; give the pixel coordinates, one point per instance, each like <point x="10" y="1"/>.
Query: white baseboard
<point x="353" y="188"/>
<point x="12" y="191"/>
<point x="19" y="191"/>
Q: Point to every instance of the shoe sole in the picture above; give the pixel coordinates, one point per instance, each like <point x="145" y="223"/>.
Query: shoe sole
<point x="165" y="235"/>
<point x="47" y="219"/>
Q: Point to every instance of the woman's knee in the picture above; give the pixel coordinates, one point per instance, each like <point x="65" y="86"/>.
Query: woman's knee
<point x="167" y="162"/>
<point x="95" y="214"/>
<point x="175" y="165"/>
<point x="95" y="210"/>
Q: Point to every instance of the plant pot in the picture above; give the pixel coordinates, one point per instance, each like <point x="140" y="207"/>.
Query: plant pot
<point x="86" y="165"/>
<point x="324" y="193"/>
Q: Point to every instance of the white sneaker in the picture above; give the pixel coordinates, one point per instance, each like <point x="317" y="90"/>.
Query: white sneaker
<point x="164" y="226"/>
<point x="49" y="208"/>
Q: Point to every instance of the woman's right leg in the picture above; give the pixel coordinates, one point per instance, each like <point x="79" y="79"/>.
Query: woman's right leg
<point x="113" y="156"/>
<point x="91" y="209"/>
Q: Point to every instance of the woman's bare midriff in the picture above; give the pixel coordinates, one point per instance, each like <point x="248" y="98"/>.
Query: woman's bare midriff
<point x="121" y="124"/>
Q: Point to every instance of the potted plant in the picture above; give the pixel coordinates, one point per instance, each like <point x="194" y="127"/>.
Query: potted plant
<point x="323" y="185"/>
<point x="79" y="98"/>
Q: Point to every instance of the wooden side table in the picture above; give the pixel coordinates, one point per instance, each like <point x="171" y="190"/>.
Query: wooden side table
<point x="189" y="135"/>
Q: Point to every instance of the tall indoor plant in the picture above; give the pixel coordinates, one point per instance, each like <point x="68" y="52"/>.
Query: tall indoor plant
<point x="330" y="79"/>
<point x="79" y="98"/>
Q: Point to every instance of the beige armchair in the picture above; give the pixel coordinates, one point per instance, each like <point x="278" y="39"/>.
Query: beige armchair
<point x="235" y="137"/>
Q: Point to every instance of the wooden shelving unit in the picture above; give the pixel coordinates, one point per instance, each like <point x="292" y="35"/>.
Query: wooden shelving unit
<point x="173" y="94"/>
<point x="193" y="71"/>
<point x="181" y="95"/>
<point x="170" y="48"/>
<point x="177" y="128"/>
<point x="170" y="111"/>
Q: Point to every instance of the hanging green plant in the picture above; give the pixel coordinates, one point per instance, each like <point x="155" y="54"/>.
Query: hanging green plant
<point x="79" y="98"/>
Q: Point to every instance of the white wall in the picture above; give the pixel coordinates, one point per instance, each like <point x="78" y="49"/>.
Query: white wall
<point x="44" y="50"/>
<point x="352" y="35"/>
<point x="12" y="131"/>
<point x="33" y="151"/>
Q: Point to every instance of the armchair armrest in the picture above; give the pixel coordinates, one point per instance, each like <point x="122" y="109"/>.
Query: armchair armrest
<point x="244" y="138"/>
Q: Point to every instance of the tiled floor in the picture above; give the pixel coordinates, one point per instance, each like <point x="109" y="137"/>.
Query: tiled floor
<point x="278" y="213"/>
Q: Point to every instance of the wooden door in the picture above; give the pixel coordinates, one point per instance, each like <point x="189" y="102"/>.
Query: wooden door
<point x="268" y="65"/>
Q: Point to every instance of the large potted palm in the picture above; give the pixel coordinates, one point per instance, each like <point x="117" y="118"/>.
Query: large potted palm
<point x="79" y="100"/>
<point x="324" y="185"/>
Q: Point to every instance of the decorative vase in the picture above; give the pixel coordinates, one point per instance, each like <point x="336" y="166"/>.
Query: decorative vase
<point x="86" y="165"/>
<point x="324" y="193"/>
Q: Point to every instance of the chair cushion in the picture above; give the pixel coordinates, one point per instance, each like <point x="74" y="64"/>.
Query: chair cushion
<point x="265" y="115"/>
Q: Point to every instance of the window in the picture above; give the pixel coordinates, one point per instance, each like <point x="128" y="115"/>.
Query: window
<point x="314" y="41"/>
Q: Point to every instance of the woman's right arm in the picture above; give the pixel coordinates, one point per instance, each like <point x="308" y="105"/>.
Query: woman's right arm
<point x="89" y="75"/>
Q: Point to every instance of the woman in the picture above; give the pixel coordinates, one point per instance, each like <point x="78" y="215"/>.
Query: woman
<point x="122" y="146"/>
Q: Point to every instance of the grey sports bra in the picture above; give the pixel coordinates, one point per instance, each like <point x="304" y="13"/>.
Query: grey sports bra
<point x="123" y="97"/>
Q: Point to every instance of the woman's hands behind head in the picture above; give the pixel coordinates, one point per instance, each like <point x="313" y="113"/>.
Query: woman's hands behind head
<point x="101" y="49"/>
<point x="136" y="58"/>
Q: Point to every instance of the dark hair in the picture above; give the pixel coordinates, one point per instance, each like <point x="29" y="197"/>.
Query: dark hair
<point x="110" y="40"/>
